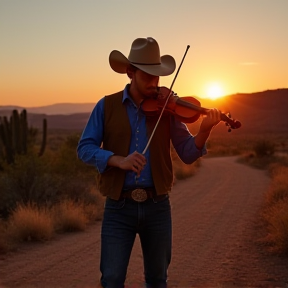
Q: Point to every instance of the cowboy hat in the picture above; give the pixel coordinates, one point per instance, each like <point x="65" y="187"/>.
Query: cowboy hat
<point x="145" y="55"/>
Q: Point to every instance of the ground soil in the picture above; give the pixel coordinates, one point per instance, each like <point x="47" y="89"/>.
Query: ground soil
<point x="216" y="233"/>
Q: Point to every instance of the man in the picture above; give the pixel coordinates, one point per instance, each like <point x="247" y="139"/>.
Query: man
<point x="137" y="185"/>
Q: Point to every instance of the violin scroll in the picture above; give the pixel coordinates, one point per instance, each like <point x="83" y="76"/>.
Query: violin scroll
<point x="231" y="123"/>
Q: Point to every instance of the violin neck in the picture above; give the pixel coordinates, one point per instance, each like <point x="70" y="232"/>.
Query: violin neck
<point x="197" y="108"/>
<point x="231" y="122"/>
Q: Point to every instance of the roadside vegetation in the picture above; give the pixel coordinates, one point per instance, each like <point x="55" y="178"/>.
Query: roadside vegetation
<point x="41" y="197"/>
<point x="268" y="152"/>
<point x="43" y="194"/>
<point x="265" y="154"/>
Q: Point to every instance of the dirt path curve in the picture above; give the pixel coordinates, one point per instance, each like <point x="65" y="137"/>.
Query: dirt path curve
<point x="214" y="240"/>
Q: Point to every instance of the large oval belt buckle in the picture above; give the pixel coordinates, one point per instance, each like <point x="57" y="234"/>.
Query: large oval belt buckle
<point x="139" y="195"/>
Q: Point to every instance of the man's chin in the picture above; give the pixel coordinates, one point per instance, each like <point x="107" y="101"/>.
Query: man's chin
<point x="152" y="92"/>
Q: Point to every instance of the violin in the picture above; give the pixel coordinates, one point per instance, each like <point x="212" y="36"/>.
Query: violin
<point x="185" y="109"/>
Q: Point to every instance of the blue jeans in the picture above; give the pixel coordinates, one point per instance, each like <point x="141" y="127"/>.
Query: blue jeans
<point x="122" y="220"/>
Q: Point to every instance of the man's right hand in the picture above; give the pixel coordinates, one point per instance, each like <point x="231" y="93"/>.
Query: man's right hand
<point x="134" y="162"/>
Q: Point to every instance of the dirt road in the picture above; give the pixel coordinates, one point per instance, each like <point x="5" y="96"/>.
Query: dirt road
<point x="214" y="240"/>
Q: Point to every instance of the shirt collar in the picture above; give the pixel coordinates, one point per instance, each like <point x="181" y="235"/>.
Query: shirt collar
<point x="126" y="94"/>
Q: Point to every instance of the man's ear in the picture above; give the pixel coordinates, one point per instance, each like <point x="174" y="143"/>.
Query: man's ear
<point x="130" y="72"/>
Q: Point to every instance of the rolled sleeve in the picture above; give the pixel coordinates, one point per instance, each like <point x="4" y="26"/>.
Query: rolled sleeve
<point x="89" y="147"/>
<point x="184" y="142"/>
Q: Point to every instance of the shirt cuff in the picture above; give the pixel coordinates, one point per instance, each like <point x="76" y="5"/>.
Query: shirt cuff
<point x="101" y="162"/>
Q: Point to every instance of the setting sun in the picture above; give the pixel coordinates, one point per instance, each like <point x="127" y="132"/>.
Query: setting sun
<point x="214" y="91"/>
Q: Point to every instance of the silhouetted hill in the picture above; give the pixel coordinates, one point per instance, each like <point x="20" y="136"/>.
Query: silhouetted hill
<point x="258" y="112"/>
<point x="70" y="122"/>
<point x="55" y="109"/>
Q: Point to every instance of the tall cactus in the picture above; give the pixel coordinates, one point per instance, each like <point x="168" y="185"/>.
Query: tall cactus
<point x="44" y="137"/>
<point x="6" y="140"/>
<point x="14" y="136"/>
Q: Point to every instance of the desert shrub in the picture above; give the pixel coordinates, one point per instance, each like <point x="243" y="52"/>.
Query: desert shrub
<point x="74" y="178"/>
<point x="280" y="164"/>
<point x="93" y="212"/>
<point x="268" y="162"/>
<point x="26" y="180"/>
<point x="264" y="148"/>
<point x="258" y="162"/>
<point x="183" y="171"/>
<point x="275" y="210"/>
<point x="69" y="216"/>
<point x="228" y="144"/>
<point x="30" y="222"/>
<point x="93" y="205"/>
<point x="46" y="180"/>
<point x="221" y="146"/>
<point x="276" y="217"/>
<point x="278" y="190"/>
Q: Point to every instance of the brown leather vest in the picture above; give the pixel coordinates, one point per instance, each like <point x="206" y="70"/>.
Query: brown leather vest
<point x="117" y="135"/>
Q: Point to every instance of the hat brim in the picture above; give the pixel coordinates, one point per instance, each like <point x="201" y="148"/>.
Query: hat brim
<point x="119" y="63"/>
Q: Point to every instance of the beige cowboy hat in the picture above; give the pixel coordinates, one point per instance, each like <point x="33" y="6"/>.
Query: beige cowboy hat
<point x="145" y="55"/>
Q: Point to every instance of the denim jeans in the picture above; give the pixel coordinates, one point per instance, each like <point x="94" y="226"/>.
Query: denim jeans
<point x="122" y="220"/>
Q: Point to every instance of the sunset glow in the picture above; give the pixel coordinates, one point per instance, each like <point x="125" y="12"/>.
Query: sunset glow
<point x="57" y="51"/>
<point x="214" y="91"/>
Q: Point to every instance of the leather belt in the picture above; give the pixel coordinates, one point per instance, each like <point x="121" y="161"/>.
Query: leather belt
<point x="142" y="194"/>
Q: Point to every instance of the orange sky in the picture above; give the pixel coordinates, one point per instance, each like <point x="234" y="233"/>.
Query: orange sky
<point x="57" y="51"/>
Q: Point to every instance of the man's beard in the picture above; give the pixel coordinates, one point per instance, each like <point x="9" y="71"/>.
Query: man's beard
<point x="152" y="92"/>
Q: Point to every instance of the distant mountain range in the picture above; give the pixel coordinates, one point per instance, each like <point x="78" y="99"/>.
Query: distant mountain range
<point x="265" y="111"/>
<point x="55" y="109"/>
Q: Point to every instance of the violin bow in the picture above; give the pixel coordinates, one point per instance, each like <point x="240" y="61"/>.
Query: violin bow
<point x="165" y="104"/>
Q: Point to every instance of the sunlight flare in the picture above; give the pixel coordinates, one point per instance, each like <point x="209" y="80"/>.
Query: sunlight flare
<point x="214" y="91"/>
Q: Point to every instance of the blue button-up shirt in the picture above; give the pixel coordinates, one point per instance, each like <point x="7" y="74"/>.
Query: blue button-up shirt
<point x="89" y="148"/>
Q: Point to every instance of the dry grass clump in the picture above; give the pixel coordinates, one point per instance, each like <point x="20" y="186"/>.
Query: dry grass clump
<point x="276" y="217"/>
<point x="182" y="170"/>
<point x="278" y="190"/>
<point x="69" y="216"/>
<point x="275" y="211"/>
<point x="93" y="204"/>
<point x="253" y="160"/>
<point x="29" y="222"/>
<point x="33" y="223"/>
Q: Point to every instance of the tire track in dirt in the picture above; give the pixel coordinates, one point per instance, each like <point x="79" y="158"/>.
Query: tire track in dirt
<point x="215" y="235"/>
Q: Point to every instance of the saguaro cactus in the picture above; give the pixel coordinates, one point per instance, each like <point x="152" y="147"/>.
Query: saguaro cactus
<point x="44" y="137"/>
<point x="6" y="142"/>
<point x="14" y="136"/>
